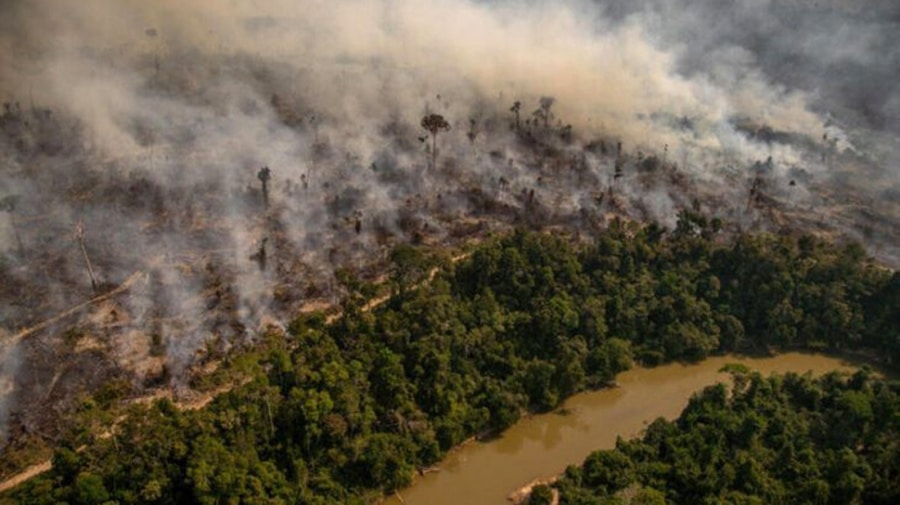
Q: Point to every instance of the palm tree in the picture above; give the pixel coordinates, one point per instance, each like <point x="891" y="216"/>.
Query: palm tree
<point x="264" y="175"/>
<point x="515" y="109"/>
<point x="434" y="123"/>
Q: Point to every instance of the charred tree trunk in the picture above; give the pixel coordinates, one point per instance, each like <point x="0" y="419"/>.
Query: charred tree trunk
<point x="264" y="175"/>
<point x="433" y="151"/>
<point x="12" y="219"/>
<point x="515" y="109"/>
<point x="8" y="204"/>
<point x="260" y="256"/>
<point x="79" y="236"/>
<point x="19" y="243"/>
<point x="433" y="123"/>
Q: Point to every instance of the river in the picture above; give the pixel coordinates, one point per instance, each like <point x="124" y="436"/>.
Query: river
<point x="543" y="445"/>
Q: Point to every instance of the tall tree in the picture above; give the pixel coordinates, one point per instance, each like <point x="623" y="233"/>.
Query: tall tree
<point x="516" y="109"/>
<point x="8" y="204"/>
<point x="79" y="237"/>
<point x="264" y="175"/>
<point x="434" y="123"/>
<point x="543" y="112"/>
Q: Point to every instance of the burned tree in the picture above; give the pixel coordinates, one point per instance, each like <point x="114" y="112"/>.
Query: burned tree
<point x="619" y="172"/>
<point x="516" y="109"/>
<point x="264" y="175"/>
<point x="151" y="33"/>
<point x="434" y="123"/>
<point x="472" y="134"/>
<point x="758" y="184"/>
<point x="79" y="237"/>
<point x="756" y="192"/>
<point x="357" y="225"/>
<point x="260" y="256"/>
<point x="314" y="123"/>
<point x="543" y="112"/>
<point x="8" y="204"/>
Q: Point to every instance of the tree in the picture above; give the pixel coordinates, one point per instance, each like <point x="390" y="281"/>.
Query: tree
<point x="79" y="237"/>
<point x="410" y="266"/>
<point x="537" y="382"/>
<point x="516" y="109"/>
<point x="609" y="471"/>
<point x="384" y="462"/>
<point x="264" y="175"/>
<point x="260" y="256"/>
<point x="543" y="112"/>
<point x="649" y="496"/>
<point x="472" y="134"/>
<point x="8" y="204"/>
<point x="434" y="123"/>
<point x="541" y="494"/>
<point x="89" y="489"/>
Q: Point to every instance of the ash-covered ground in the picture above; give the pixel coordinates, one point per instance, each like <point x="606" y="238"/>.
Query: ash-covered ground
<point x="201" y="169"/>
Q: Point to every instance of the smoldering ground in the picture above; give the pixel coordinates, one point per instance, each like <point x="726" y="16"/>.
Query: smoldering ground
<point x="149" y="123"/>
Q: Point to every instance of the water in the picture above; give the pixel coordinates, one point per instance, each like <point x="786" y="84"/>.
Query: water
<point x="543" y="445"/>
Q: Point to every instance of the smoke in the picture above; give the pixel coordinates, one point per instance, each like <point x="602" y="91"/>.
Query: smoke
<point x="149" y="121"/>
<point x="365" y="60"/>
<point x="841" y="53"/>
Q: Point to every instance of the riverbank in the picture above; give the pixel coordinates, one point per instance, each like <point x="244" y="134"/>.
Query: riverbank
<point x="544" y="444"/>
<point x="523" y="494"/>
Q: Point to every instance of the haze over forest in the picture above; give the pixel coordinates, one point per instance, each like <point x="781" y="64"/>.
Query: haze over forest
<point x="146" y="125"/>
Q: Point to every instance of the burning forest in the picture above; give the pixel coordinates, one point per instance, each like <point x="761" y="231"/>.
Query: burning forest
<point x="177" y="176"/>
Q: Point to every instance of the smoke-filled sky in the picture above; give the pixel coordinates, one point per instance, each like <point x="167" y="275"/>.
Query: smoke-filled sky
<point x="788" y="63"/>
<point x="792" y="65"/>
<point x="148" y="120"/>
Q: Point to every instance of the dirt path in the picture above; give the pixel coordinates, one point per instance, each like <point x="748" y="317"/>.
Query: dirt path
<point x="45" y="466"/>
<point x="382" y="299"/>
<point x="195" y="403"/>
<point x="125" y="286"/>
<point x="29" y="473"/>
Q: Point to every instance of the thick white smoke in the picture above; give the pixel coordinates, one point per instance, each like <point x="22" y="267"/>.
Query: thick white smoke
<point x="149" y="123"/>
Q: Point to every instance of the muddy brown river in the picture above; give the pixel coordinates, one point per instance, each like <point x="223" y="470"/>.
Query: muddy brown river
<point x="543" y="445"/>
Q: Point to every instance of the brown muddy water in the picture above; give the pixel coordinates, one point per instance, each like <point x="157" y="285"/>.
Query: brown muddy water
<point x="543" y="445"/>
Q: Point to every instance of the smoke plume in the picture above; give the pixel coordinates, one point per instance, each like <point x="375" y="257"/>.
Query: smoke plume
<point x="148" y="123"/>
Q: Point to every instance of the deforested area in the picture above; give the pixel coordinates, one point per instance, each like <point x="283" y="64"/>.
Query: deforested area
<point x="180" y="181"/>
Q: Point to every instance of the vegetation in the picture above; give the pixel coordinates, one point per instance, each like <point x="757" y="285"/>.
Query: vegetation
<point x="343" y="412"/>
<point x="787" y="440"/>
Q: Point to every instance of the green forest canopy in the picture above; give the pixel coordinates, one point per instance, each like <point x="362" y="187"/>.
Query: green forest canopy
<point x="783" y="439"/>
<point x="345" y="412"/>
